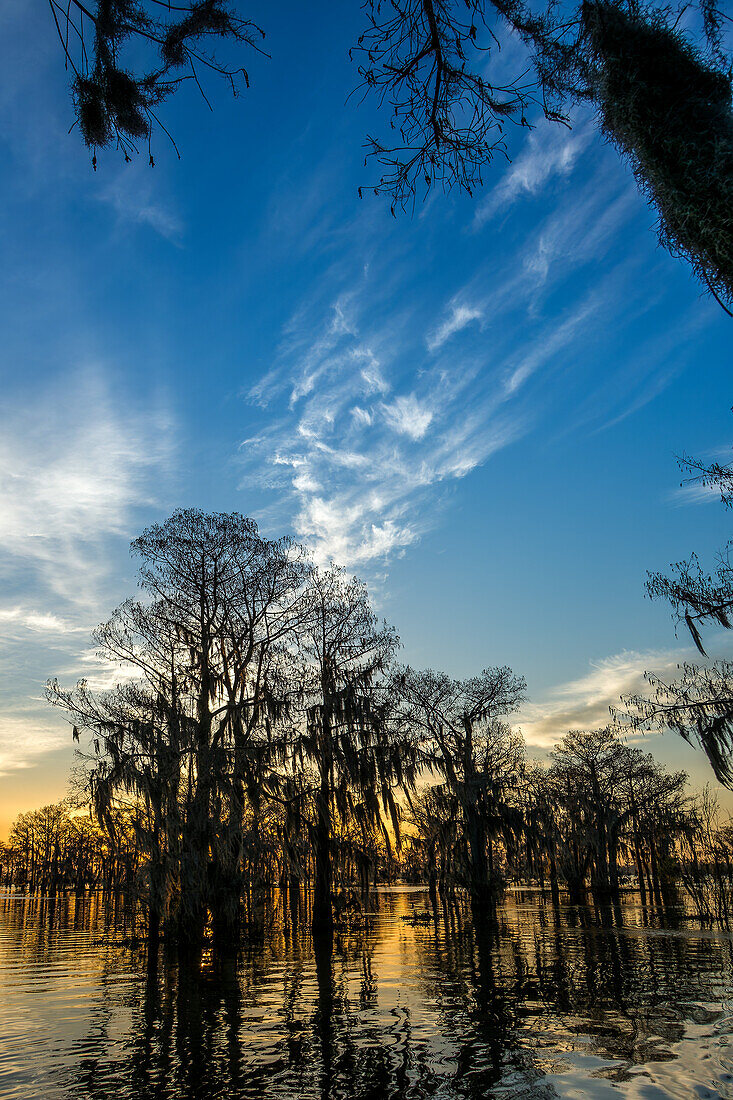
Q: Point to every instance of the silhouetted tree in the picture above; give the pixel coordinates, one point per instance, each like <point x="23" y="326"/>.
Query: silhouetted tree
<point x="698" y="598"/>
<point x="706" y="863"/>
<point x="614" y="800"/>
<point x="60" y="847"/>
<point x="541" y="828"/>
<point x="665" y="106"/>
<point x="193" y="729"/>
<point x="347" y="735"/>
<point x="258" y="735"/>
<point x="457" y="724"/>
<point x="668" y="111"/>
<point x="437" y="831"/>
<point x="699" y="704"/>
<point x="448" y="117"/>
<point x="105" y="43"/>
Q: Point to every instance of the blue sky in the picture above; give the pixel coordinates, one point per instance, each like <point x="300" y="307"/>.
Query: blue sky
<point x="476" y="408"/>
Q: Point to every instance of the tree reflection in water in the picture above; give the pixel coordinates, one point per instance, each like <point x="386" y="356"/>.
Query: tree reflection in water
<point x="441" y="1004"/>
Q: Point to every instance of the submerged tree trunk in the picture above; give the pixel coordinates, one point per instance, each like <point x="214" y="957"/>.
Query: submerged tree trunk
<point x="196" y="840"/>
<point x="554" y="889"/>
<point x="480" y="884"/>
<point x="227" y="885"/>
<point x="654" y="873"/>
<point x="432" y="876"/>
<point x="322" y="923"/>
<point x="323" y="952"/>
<point x="613" y="867"/>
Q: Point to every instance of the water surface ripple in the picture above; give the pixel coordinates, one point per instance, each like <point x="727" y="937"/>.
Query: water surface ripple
<point x="415" y="1002"/>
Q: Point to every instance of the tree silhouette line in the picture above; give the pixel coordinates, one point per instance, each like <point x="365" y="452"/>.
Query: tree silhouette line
<point x="661" y="97"/>
<point x="258" y="732"/>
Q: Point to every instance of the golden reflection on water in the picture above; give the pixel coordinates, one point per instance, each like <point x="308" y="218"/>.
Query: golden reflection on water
<point x="413" y="1002"/>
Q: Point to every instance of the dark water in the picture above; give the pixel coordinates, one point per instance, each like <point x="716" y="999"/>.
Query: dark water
<point x="547" y="1004"/>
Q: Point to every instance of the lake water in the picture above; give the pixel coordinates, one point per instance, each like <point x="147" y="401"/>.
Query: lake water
<point x="413" y="1003"/>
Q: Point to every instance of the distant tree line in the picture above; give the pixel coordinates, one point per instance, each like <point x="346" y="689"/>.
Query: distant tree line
<point x="601" y="818"/>
<point x="62" y="847"/>
<point x="260" y="734"/>
<point x="599" y="814"/>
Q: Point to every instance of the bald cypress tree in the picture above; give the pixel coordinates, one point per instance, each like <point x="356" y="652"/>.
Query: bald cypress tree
<point x="347" y="734"/>
<point x="127" y="56"/>
<point x="668" y="111"/>
<point x="458" y="726"/>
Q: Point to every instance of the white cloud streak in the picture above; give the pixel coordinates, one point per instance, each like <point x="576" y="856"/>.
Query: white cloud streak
<point x="73" y="469"/>
<point x="353" y="468"/>
<point x="695" y="494"/>
<point x="133" y="201"/>
<point x="26" y="736"/>
<point x="77" y="470"/>
<point x="459" y="317"/>
<point x="584" y="703"/>
<point x="371" y="413"/>
<point x="18" y="620"/>
<point x="408" y="416"/>
<point x="549" y="151"/>
<point x="365" y="435"/>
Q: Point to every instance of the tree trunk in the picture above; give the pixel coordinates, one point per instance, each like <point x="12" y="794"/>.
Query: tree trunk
<point x="655" y="884"/>
<point x="432" y="876"/>
<point x="613" y="867"/>
<point x="480" y="886"/>
<point x="323" y="882"/>
<point x="554" y="890"/>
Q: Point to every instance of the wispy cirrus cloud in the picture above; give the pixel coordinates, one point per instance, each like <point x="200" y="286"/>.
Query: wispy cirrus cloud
<point x="460" y="315"/>
<point x="78" y="471"/>
<point x="557" y="337"/>
<point x="695" y="493"/>
<point x="548" y="151"/>
<point x="18" y="619"/>
<point x="27" y="734"/>
<point x="580" y="231"/>
<point x="135" y="202"/>
<point x="74" y="468"/>
<point x="355" y="449"/>
<point x="646" y="371"/>
<point x="365" y="422"/>
<point x="576" y="233"/>
<point x="30" y="728"/>
<point x="692" y="490"/>
<point x="409" y="416"/>
<point x="584" y="703"/>
<point x="372" y="408"/>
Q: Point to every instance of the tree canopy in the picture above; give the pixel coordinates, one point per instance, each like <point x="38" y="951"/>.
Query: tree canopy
<point x="663" y="101"/>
